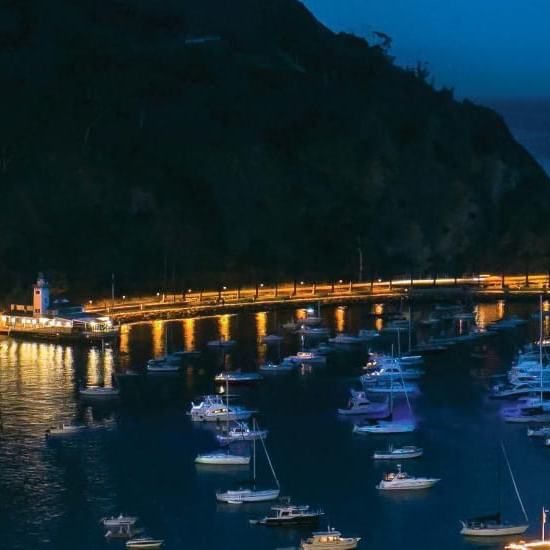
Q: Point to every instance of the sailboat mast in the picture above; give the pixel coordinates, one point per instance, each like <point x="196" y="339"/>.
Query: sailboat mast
<point x="514" y="481"/>
<point x="398" y="342"/>
<point x="270" y="463"/>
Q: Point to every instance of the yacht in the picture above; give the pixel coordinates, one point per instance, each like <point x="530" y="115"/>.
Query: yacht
<point x="359" y="404"/>
<point x="329" y="540"/>
<point x="313" y="331"/>
<point x="65" y="429"/>
<point x="241" y="432"/>
<point x="213" y="409"/>
<point x="398" y="453"/>
<point x="287" y="514"/>
<point x="386" y="427"/>
<point x="117" y="521"/>
<point x="307" y="358"/>
<point x="145" y="543"/>
<point x="401" y="481"/>
<point x="392" y="371"/>
<point x="504" y="391"/>
<point x="238" y="377"/>
<point x="391" y="386"/>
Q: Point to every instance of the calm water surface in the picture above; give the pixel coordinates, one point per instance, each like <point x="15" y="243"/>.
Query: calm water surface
<point x="138" y="455"/>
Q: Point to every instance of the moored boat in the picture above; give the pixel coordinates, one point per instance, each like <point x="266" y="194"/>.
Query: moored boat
<point x="398" y="453"/>
<point x="359" y="404"/>
<point x="329" y="540"/>
<point x="237" y="377"/>
<point x="284" y="367"/>
<point x="289" y="515"/>
<point x="213" y="409"/>
<point x="145" y="543"/>
<point x="99" y="392"/>
<point x="401" y="481"/>
<point x="117" y="521"/>
<point x="222" y="459"/>
<point x="65" y="429"/>
<point x="386" y="427"/>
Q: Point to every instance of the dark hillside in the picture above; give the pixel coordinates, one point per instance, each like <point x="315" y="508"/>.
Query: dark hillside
<point x="173" y="142"/>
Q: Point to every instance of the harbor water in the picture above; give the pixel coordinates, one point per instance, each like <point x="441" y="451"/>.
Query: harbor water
<point x="137" y="454"/>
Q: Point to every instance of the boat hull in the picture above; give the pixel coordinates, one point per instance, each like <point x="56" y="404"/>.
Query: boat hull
<point x="340" y="545"/>
<point x="495" y="531"/>
<point x="222" y="460"/>
<point x="401" y="456"/>
<point x="409" y="486"/>
<point x="290" y="522"/>
<point x="239" y="497"/>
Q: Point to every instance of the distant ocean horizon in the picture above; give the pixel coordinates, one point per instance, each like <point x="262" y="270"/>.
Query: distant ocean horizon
<point x="529" y="122"/>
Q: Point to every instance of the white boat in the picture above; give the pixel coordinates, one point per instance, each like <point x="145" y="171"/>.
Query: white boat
<point x="313" y="331"/>
<point x="161" y="366"/>
<point x="391" y="371"/>
<point x="307" y="358"/>
<point x="271" y="339"/>
<point x="118" y="521"/>
<point x="401" y="481"/>
<point x="386" y="427"/>
<point x="145" y="543"/>
<point x="525" y="415"/>
<point x="406" y="360"/>
<point x="221" y="343"/>
<point x="492" y="525"/>
<point x="398" y="453"/>
<point x="539" y="432"/>
<point x="241" y="432"/>
<point x="213" y="409"/>
<point x="359" y="404"/>
<point x="329" y="540"/>
<point x="99" y="392"/>
<point x="222" y="459"/>
<point x="238" y="496"/>
<point x="504" y="391"/>
<point x="277" y="368"/>
<point x="65" y="429"/>
<point x="289" y="515"/>
<point x="236" y="377"/>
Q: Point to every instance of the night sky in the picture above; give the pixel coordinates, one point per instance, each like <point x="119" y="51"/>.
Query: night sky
<point x="481" y="48"/>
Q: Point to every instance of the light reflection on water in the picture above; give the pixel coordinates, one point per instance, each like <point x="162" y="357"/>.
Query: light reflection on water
<point x="137" y="456"/>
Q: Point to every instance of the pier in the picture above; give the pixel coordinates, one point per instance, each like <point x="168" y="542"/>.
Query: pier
<point x="192" y="302"/>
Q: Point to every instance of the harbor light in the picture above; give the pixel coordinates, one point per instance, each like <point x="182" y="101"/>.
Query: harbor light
<point x="124" y="297"/>
<point x="261" y="285"/>
<point x="189" y="290"/>
<point x="340" y="281"/>
<point x="90" y="302"/>
<point x="158" y="293"/>
<point x="301" y="282"/>
<point x="225" y="288"/>
<point x="379" y="280"/>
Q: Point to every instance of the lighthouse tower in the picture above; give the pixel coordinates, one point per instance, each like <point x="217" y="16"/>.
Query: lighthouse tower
<point x="40" y="297"/>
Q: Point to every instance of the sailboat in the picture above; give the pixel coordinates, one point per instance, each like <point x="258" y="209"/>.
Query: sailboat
<point x="223" y="458"/>
<point x="492" y="525"/>
<point x="238" y="496"/>
<point x="389" y="426"/>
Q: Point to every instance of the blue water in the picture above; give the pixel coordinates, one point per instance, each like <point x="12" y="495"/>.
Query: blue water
<point x="138" y="455"/>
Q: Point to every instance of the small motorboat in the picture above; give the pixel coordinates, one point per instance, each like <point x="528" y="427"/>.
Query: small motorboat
<point x="271" y="339"/>
<point x="386" y="427"/>
<point x="390" y="386"/>
<point x="221" y="343"/>
<point x="359" y="404"/>
<point x="65" y="429"/>
<point x="99" y="392"/>
<point x="329" y="540"/>
<point x="145" y="543"/>
<point x="213" y="409"/>
<point x="284" y="367"/>
<point x="117" y="521"/>
<point x="241" y="432"/>
<point x="240" y="496"/>
<point x="544" y="431"/>
<point x="307" y="358"/>
<point x="222" y="459"/>
<point x="290" y="515"/>
<point x="161" y="366"/>
<point x="313" y="331"/>
<point x="237" y="377"/>
<point x="125" y="531"/>
<point x="398" y="453"/>
<point x="401" y="481"/>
